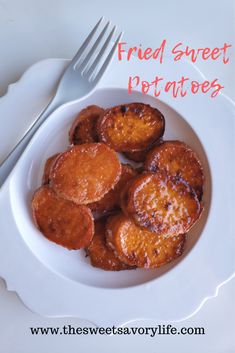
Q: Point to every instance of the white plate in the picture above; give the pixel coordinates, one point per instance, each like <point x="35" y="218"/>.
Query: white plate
<point x="53" y="281"/>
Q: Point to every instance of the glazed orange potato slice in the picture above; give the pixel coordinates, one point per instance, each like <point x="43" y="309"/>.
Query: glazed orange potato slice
<point x="139" y="247"/>
<point x="85" y="173"/>
<point x="100" y="255"/>
<point x="62" y="221"/>
<point x="47" y="168"/>
<point x="177" y="159"/>
<point x="163" y="204"/>
<point x="130" y="127"/>
<point x="110" y="201"/>
<point x="83" y="129"/>
<point x="140" y="156"/>
<point x="136" y="156"/>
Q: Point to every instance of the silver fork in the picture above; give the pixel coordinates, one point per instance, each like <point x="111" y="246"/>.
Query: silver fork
<point x="80" y="77"/>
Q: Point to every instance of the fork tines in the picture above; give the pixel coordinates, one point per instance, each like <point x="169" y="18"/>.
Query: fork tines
<point x="92" y="59"/>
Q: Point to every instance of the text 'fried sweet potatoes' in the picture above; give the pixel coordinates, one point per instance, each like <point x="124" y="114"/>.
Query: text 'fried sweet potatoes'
<point x="100" y="255"/>
<point x="139" y="247"/>
<point x="83" y="129"/>
<point x="110" y="201"/>
<point x="130" y="127"/>
<point x="62" y="221"/>
<point x="162" y="204"/>
<point x="47" y="168"/>
<point x="177" y="159"/>
<point x="85" y="173"/>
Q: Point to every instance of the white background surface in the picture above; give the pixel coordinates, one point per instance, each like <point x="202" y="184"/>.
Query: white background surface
<point x="33" y="30"/>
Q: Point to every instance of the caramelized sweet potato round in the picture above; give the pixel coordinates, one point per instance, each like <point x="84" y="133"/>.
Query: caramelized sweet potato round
<point x="124" y="195"/>
<point x="47" y="168"/>
<point x="136" y="156"/>
<point x="177" y="159"/>
<point x="163" y="204"/>
<point x="140" y="156"/>
<point x="139" y="247"/>
<point x="83" y="129"/>
<point x="100" y="255"/>
<point x="85" y="173"/>
<point x="130" y="127"/>
<point x="110" y="201"/>
<point x="62" y="221"/>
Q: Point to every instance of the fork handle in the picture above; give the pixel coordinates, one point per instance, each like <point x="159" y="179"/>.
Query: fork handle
<point x="9" y="163"/>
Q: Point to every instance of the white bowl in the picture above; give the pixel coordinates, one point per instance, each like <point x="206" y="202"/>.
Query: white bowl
<point x="54" y="138"/>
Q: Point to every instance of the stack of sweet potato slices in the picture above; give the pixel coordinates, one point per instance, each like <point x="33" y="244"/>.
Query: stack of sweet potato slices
<point x="125" y="217"/>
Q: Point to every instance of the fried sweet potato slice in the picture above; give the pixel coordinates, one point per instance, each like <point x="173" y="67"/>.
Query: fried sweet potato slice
<point x="83" y="129"/>
<point x="124" y="195"/>
<point x="163" y="204"/>
<point x="47" y="168"/>
<point x="140" y="156"/>
<point x="136" y="156"/>
<point x="177" y="159"/>
<point x="110" y="201"/>
<point x="130" y="127"/>
<point x="139" y="247"/>
<point x="85" y="173"/>
<point x="100" y="255"/>
<point x="62" y="221"/>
